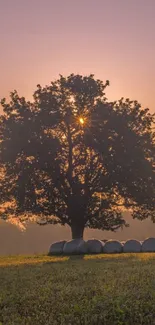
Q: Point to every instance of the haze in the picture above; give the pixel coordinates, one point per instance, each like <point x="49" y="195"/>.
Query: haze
<point x="112" y="39"/>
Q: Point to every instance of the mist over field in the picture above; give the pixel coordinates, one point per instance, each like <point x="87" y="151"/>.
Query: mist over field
<point x="37" y="239"/>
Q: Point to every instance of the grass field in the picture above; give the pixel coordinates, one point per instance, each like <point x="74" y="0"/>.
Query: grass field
<point x="94" y="290"/>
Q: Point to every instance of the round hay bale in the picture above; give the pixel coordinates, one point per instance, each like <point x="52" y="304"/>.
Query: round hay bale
<point x="132" y="246"/>
<point x="57" y="248"/>
<point x="75" y="246"/>
<point x="112" y="246"/>
<point x="122" y="242"/>
<point x="148" y="245"/>
<point x="95" y="246"/>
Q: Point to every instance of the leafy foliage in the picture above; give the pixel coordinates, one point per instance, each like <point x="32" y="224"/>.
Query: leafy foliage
<point x="73" y="158"/>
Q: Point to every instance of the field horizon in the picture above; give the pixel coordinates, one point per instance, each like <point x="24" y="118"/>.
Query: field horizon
<point x="37" y="239"/>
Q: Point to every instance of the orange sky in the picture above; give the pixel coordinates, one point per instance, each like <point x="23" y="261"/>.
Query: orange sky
<point x="114" y="39"/>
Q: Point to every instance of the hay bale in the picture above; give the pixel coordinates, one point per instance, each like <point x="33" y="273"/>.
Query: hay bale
<point x="94" y="246"/>
<point x="57" y="248"/>
<point x="112" y="246"/>
<point x="132" y="246"/>
<point x="122" y="242"/>
<point x="75" y="246"/>
<point x="148" y="245"/>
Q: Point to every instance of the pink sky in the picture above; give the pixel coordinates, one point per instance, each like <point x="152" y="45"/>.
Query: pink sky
<point x="114" y="39"/>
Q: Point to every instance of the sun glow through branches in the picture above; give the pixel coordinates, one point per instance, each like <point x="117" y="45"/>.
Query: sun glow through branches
<point x="81" y="120"/>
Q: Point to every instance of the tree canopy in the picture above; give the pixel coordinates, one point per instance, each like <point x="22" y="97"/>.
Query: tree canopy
<point x="71" y="157"/>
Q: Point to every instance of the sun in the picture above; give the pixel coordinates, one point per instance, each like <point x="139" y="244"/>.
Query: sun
<point x="81" y="120"/>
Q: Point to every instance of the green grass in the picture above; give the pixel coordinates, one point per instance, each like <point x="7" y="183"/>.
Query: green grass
<point x="90" y="290"/>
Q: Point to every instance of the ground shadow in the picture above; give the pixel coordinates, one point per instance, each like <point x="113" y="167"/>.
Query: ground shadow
<point x="76" y="257"/>
<point x="66" y="259"/>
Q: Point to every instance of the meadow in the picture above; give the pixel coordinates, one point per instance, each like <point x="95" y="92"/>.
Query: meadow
<point x="79" y="290"/>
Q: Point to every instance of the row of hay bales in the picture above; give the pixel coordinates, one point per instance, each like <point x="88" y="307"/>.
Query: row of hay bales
<point x="95" y="246"/>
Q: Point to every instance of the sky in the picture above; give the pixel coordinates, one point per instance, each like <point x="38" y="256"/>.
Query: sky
<point x="113" y="39"/>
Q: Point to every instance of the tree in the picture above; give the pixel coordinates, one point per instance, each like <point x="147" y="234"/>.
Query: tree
<point x="71" y="157"/>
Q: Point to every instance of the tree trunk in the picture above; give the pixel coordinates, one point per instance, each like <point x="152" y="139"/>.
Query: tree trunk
<point x="77" y="231"/>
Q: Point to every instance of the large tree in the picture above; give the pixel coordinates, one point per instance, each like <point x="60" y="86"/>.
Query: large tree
<point x="71" y="157"/>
